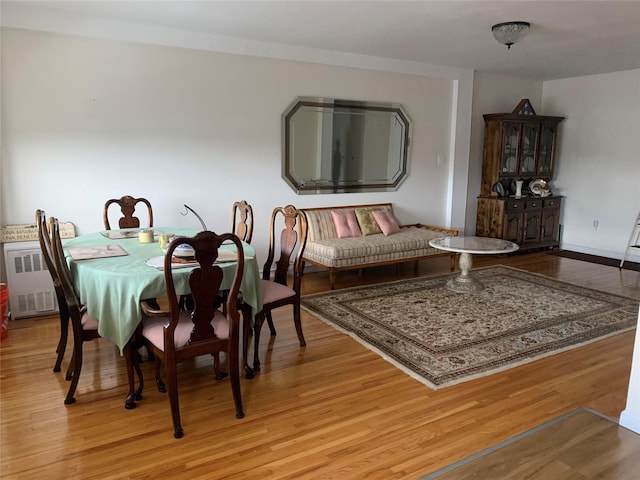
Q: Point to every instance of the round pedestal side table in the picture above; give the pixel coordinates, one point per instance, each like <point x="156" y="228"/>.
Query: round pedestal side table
<point x="466" y="247"/>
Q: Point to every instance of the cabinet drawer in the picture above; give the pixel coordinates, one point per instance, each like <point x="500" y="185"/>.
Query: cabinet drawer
<point x="534" y="204"/>
<point x="513" y="205"/>
<point x="551" y="203"/>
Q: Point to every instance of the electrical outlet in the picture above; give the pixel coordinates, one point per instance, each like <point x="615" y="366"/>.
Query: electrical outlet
<point x="596" y="224"/>
<point x="440" y="160"/>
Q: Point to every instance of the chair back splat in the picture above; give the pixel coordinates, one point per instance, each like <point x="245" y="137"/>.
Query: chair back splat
<point x="289" y="243"/>
<point x="177" y="335"/>
<point x="242" y="220"/>
<point x="127" y="206"/>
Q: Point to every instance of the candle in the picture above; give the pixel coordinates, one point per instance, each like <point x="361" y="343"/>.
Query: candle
<point x="145" y="236"/>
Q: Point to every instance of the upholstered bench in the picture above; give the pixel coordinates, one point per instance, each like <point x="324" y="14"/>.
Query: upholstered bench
<point x="353" y="237"/>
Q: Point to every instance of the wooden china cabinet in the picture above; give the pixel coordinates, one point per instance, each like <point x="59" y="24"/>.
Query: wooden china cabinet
<point x="519" y="146"/>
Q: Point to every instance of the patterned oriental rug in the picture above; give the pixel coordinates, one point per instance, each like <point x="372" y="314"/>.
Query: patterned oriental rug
<point x="441" y="337"/>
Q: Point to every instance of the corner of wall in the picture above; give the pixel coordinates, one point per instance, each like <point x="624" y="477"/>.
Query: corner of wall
<point x="630" y="421"/>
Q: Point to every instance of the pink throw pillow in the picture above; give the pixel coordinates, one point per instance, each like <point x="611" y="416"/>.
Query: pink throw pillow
<point x="346" y="223"/>
<point x="387" y="222"/>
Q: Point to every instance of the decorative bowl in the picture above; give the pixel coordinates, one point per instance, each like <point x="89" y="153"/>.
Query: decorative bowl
<point x="184" y="251"/>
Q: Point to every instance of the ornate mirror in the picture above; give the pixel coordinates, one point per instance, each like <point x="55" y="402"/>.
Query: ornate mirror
<point x="340" y="146"/>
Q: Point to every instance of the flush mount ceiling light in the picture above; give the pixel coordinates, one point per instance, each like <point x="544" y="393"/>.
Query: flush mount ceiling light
<point x="509" y="33"/>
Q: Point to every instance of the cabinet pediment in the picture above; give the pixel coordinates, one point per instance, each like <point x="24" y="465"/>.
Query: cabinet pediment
<point x="524" y="108"/>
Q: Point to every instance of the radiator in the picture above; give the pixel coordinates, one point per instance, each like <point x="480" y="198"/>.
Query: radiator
<point x="31" y="291"/>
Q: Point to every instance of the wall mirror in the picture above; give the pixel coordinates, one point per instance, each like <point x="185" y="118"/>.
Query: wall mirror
<point x="340" y="146"/>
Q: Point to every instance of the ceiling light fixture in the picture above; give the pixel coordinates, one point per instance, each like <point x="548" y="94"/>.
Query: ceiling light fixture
<point x="509" y="33"/>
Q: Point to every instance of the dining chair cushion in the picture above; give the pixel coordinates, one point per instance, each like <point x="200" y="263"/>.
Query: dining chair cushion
<point x="274" y="291"/>
<point x="153" y="329"/>
<point x="89" y="323"/>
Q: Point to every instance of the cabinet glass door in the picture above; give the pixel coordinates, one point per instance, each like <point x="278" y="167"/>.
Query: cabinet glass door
<point x="510" y="143"/>
<point x="545" y="156"/>
<point x="529" y="147"/>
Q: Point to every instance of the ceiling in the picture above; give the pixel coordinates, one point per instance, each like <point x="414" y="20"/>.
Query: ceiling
<point x="566" y="39"/>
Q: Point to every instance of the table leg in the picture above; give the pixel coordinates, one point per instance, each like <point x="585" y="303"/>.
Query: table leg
<point x="464" y="282"/>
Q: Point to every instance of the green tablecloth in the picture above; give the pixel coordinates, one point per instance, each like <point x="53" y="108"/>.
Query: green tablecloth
<point x="112" y="288"/>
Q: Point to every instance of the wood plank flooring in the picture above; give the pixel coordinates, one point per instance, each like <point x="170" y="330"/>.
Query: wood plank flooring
<point x="582" y="444"/>
<point x="331" y="410"/>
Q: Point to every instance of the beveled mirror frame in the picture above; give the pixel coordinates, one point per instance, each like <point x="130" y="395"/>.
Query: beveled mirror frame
<point x="375" y="149"/>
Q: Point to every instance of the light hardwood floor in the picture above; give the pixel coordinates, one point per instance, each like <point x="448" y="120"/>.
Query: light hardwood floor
<point x="579" y="445"/>
<point x="331" y="410"/>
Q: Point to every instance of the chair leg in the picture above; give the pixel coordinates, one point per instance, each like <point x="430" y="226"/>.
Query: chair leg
<point x="234" y="372"/>
<point x="69" y="375"/>
<point x="138" y="393"/>
<point x="219" y="374"/>
<point x="186" y="303"/>
<point x="272" y="329"/>
<point x="246" y="333"/>
<point x="257" y="327"/>
<point x="62" y="343"/>
<point x="77" y="367"/>
<point x="298" y="323"/>
<point x="132" y="360"/>
<point x="172" y="384"/>
<point x="162" y="388"/>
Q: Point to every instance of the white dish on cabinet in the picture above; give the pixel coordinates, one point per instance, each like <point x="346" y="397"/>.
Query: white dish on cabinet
<point x="538" y="186"/>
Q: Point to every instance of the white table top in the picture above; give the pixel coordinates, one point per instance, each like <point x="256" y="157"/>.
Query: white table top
<point x="479" y="245"/>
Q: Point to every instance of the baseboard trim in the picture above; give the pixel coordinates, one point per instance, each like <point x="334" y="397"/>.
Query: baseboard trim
<point x="602" y="260"/>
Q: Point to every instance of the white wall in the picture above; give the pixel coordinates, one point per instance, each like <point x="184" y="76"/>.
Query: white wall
<point x="599" y="159"/>
<point x="87" y="119"/>
<point x="493" y="94"/>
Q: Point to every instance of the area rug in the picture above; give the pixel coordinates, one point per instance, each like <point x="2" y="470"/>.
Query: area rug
<point x="441" y="337"/>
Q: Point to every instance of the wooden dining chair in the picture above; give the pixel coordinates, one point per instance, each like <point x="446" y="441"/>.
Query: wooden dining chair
<point x="242" y="220"/>
<point x="176" y="335"/>
<point x="275" y="292"/>
<point x="44" y="238"/>
<point x="84" y="327"/>
<point x="127" y="206"/>
<point x="242" y="227"/>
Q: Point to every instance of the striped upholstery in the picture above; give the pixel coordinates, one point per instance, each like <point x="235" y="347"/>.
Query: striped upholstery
<point x="320" y="225"/>
<point x="325" y="248"/>
<point x="320" y="222"/>
<point x="342" y="252"/>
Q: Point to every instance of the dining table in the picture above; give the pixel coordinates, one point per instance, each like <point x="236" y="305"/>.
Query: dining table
<point x="113" y="271"/>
